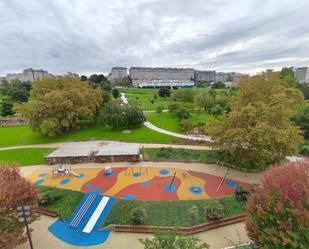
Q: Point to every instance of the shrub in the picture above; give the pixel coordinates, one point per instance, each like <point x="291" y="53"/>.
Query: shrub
<point x="241" y="194"/>
<point x="185" y="125"/>
<point x="214" y="210"/>
<point x="277" y="213"/>
<point x="138" y="215"/>
<point x="48" y="196"/>
<point x="159" y="108"/>
<point x="115" y="93"/>
<point x="164" y="153"/>
<point x="173" y="107"/>
<point x="164" y="92"/>
<point x="193" y="212"/>
<point x="182" y="113"/>
<point x="304" y="150"/>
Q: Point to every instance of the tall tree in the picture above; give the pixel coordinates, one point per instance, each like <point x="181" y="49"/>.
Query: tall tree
<point x="14" y="191"/>
<point x="278" y="210"/>
<point x="258" y="132"/>
<point x="6" y="107"/>
<point x="59" y="103"/>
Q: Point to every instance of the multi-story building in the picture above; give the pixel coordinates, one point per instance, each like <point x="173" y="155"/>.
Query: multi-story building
<point x="148" y="76"/>
<point x="204" y="76"/>
<point x="29" y="75"/>
<point x="117" y="73"/>
<point x="302" y="74"/>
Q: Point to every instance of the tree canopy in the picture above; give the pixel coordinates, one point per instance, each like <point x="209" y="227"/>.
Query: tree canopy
<point x="12" y="196"/>
<point x="258" y="132"/>
<point x="59" y="103"/>
<point x="277" y="212"/>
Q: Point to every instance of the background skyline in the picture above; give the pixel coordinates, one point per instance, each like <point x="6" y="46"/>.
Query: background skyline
<point x="92" y="36"/>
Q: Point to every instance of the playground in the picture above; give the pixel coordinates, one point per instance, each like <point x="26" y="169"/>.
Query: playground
<point x="139" y="183"/>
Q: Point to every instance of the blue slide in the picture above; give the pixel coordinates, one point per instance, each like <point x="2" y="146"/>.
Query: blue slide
<point x="89" y="209"/>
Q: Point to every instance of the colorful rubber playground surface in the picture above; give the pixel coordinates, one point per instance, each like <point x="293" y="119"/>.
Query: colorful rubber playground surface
<point x="152" y="183"/>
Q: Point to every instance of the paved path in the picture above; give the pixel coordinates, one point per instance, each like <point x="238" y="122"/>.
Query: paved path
<point x="216" y="238"/>
<point x="174" y="134"/>
<point x="145" y="145"/>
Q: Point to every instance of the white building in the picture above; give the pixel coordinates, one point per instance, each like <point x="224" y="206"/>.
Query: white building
<point x="302" y="74"/>
<point x="29" y="75"/>
<point x="156" y="77"/>
<point x="204" y="76"/>
<point x="117" y="73"/>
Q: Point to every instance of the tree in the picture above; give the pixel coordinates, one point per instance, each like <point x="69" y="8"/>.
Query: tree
<point x="14" y="191"/>
<point x="99" y="80"/>
<point x="218" y="85"/>
<point x="184" y="95"/>
<point x="301" y="120"/>
<point x="17" y="90"/>
<point x="59" y="103"/>
<point x="164" y="92"/>
<point x="173" y="240"/>
<point x="124" y="82"/>
<point x="120" y="116"/>
<point x="257" y="132"/>
<point x="6" y="107"/>
<point x="115" y="93"/>
<point x="83" y="78"/>
<point x="277" y="213"/>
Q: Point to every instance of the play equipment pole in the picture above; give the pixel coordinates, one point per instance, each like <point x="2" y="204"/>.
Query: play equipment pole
<point x="227" y="172"/>
<point x="172" y="180"/>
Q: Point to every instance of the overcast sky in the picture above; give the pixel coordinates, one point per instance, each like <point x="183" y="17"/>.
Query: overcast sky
<point x="91" y="36"/>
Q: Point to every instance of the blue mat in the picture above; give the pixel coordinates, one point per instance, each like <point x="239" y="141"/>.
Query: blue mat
<point x="75" y="236"/>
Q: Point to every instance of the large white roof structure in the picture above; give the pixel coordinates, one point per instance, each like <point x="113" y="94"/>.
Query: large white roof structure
<point x="95" y="148"/>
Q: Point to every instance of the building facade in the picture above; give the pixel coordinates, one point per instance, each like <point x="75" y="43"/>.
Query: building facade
<point x="147" y="76"/>
<point x="204" y="76"/>
<point x="117" y="73"/>
<point x="302" y="74"/>
<point x="29" y="75"/>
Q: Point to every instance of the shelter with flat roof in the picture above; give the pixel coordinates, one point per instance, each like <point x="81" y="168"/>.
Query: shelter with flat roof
<point x="94" y="151"/>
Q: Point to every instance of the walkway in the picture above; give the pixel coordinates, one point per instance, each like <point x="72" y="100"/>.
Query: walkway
<point x="174" y="134"/>
<point x="145" y="145"/>
<point x="216" y="238"/>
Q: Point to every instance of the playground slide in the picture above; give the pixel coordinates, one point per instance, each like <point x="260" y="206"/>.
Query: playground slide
<point x="75" y="174"/>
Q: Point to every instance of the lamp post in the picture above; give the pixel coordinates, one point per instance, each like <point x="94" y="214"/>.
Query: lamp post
<point x="24" y="217"/>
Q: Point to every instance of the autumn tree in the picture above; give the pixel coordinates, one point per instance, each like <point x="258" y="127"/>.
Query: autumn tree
<point x="14" y="191"/>
<point x="278" y="211"/>
<point x="59" y="103"/>
<point x="258" y="132"/>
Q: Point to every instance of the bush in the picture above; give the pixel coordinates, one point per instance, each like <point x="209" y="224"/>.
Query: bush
<point x="48" y="196"/>
<point x="164" y="92"/>
<point x="138" y="215"/>
<point x="182" y="113"/>
<point x="193" y="212"/>
<point x="277" y="213"/>
<point x="115" y="93"/>
<point x="185" y="125"/>
<point x="159" y="108"/>
<point x="241" y="194"/>
<point x="214" y="210"/>
<point x="164" y="153"/>
<point x="173" y="107"/>
<point x="304" y="149"/>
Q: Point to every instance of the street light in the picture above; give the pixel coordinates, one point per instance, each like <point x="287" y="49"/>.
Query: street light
<point x="24" y="217"/>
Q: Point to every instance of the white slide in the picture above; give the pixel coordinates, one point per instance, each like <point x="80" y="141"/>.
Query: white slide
<point x="74" y="174"/>
<point x="96" y="214"/>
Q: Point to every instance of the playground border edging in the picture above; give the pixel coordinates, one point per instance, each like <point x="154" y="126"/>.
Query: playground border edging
<point x="188" y="230"/>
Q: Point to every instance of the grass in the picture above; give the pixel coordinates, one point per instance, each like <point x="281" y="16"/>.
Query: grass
<point x="22" y="135"/>
<point x="65" y="201"/>
<point x="168" y="121"/>
<point x="172" y="155"/>
<point x="24" y="157"/>
<point x="170" y="213"/>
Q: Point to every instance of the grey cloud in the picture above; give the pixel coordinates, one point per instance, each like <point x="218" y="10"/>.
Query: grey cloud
<point x="93" y="36"/>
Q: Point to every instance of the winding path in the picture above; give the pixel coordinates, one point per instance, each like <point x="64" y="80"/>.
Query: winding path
<point x="166" y="132"/>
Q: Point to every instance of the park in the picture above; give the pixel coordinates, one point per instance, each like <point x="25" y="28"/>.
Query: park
<point x="136" y="163"/>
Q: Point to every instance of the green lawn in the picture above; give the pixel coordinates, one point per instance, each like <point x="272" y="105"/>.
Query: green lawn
<point x="64" y="201"/>
<point x="168" y="121"/>
<point x="24" y="157"/>
<point x="21" y="135"/>
<point x="171" y="154"/>
<point x="170" y="213"/>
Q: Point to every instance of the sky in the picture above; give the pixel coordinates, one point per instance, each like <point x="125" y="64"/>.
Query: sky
<point x="92" y="36"/>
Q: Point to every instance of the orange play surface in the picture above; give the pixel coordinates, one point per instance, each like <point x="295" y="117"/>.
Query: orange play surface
<point x="142" y="183"/>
